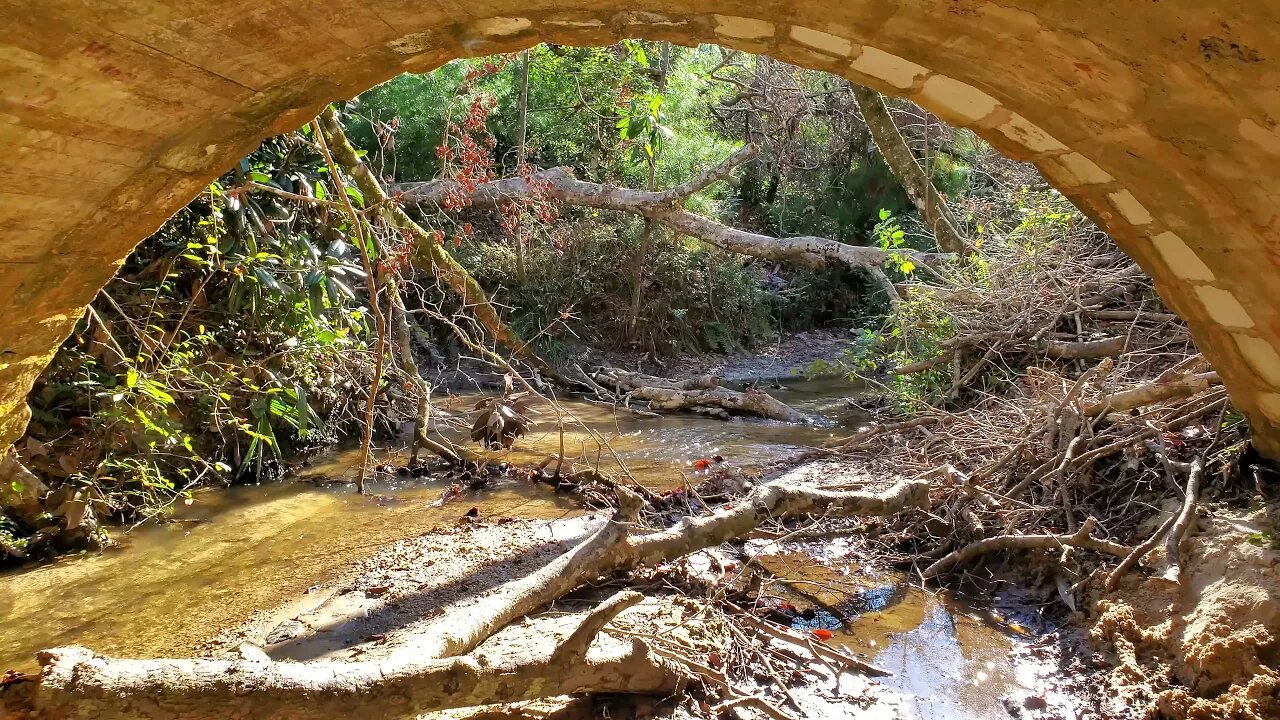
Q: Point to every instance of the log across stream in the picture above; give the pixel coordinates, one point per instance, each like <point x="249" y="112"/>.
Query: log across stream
<point x="234" y="554"/>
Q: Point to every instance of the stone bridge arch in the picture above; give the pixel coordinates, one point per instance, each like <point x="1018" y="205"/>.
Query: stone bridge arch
<point x="1158" y="119"/>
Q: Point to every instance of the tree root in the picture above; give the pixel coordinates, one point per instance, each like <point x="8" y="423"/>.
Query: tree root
<point x="1182" y="525"/>
<point x="1172" y="531"/>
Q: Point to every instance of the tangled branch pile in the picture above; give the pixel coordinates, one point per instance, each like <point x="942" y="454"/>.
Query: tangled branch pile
<point x="1074" y="397"/>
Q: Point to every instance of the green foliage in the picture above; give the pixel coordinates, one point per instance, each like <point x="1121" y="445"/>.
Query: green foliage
<point x="209" y="353"/>
<point x="695" y="297"/>
<point x="642" y="126"/>
<point x="891" y="238"/>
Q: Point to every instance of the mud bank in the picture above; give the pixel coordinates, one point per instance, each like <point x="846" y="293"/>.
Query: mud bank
<point x="1206" y="648"/>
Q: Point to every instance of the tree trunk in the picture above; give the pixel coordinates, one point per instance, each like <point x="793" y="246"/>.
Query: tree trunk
<point x="646" y="236"/>
<point x="521" y="150"/>
<point x="421" y="388"/>
<point x="366" y="242"/>
<point x="903" y="164"/>
<point x="665" y="208"/>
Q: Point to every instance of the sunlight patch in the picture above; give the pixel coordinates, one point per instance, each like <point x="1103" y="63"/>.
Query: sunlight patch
<point x="950" y="97"/>
<point x="898" y="72"/>
<point x="818" y="40"/>
<point x="1261" y="356"/>
<point x="503" y="26"/>
<point x="1132" y="210"/>
<point x="1181" y="259"/>
<point x="1083" y="170"/>
<point x="1030" y="135"/>
<point x="742" y="28"/>
<point x="1223" y="307"/>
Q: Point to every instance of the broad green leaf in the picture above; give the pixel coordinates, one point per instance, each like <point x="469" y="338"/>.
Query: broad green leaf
<point x="355" y="194"/>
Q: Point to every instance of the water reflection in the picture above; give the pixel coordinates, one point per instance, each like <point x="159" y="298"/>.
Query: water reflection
<point x="167" y="588"/>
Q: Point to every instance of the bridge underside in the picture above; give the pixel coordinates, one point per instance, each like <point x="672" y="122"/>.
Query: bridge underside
<point x="1158" y="119"/>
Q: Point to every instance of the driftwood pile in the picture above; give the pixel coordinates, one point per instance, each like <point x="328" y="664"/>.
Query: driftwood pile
<point x="1077" y="404"/>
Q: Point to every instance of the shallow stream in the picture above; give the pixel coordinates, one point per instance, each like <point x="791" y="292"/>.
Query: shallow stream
<point x="165" y="589"/>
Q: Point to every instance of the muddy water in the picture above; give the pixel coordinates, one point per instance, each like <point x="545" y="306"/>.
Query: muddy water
<point x="165" y="589"/>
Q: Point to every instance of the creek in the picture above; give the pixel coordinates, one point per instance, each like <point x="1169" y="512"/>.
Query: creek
<point x="165" y="589"/>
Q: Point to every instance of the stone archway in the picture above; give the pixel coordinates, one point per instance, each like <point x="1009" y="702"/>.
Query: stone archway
<point x="1158" y="119"/>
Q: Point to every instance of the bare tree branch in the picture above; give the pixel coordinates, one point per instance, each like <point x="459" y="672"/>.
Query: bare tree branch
<point x="560" y="185"/>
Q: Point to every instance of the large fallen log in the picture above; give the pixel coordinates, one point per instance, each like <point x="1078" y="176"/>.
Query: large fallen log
<point x="441" y="667"/>
<point x="700" y="394"/>
<point x="666" y="209"/>
<point x="77" y="684"/>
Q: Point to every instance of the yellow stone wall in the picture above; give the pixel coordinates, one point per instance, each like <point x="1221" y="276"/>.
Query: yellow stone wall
<point x="1158" y="119"/>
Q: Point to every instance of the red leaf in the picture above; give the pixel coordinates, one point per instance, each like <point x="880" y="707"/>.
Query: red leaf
<point x="822" y="634"/>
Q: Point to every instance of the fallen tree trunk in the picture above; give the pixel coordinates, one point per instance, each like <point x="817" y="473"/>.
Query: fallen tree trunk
<point x="1088" y="349"/>
<point x="623" y="379"/>
<point x="699" y="394"/>
<point x="751" y="402"/>
<point x="77" y="684"/>
<point x="664" y="208"/>
<point x="429" y="673"/>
